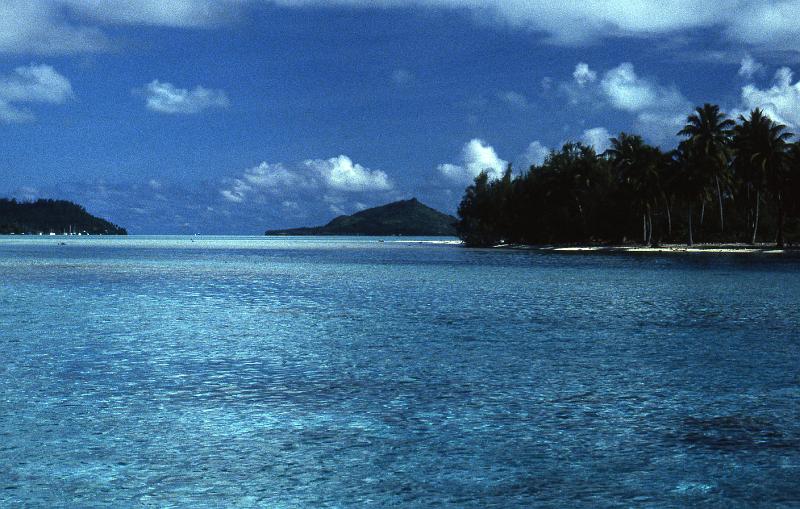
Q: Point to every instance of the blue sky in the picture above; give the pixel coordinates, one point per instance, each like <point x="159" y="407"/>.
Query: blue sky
<point x="234" y="116"/>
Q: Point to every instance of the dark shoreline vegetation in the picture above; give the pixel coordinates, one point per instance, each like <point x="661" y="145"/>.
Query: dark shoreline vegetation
<point x="726" y="182"/>
<point x="51" y="216"/>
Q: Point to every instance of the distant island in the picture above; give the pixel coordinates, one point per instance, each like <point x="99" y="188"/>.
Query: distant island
<point x="52" y="216"/>
<point x="406" y="217"/>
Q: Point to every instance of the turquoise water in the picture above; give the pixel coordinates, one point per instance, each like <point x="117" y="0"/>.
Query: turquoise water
<point x="256" y="372"/>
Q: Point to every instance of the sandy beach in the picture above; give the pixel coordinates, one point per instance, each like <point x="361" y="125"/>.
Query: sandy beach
<point x="665" y="248"/>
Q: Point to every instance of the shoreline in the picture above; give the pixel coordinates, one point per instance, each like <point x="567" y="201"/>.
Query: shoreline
<point x="718" y="248"/>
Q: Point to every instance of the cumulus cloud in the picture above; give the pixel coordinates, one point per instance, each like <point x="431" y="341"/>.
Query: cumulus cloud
<point x="749" y="67"/>
<point x="31" y="84"/>
<point x="659" y="110"/>
<point x="167" y="98"/>
<point x="598" y="138"/>
<point x="336" y="177"/>
<point x="476" y="156"/>
<point x="628" y="92"/>
<point x="781" y="102"/>
<point x="583" y="74"/>
<point x="341" y="174"/>
<point x="535" y="154"/>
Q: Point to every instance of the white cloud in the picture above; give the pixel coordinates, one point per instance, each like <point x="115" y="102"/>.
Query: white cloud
<point x="275" y="176"/>
<point x="628" y="92"/>
<point x="39" y="26"/>
<point x="661" y="126"/>
<point x="237" y="193"/>
<point x="340" y="174"/>
<point x="476" y="156"/>
<point x="781" y="102"/>
<point x="598" y="138"/>
<point x="659" y="110"/>
<point x="167" y="98"/>
<point x="31" y="84"/>
<point x="768" y="24"/>
<point x="67" y="26"/>
<point x="514" y="99"/>
<point x="336" y="177"/>
<point x="583" y="74"/>
<point x="74" y="26"/>
<point x="172" y="13"/>
<point x="535" y="154"/>
<point x="595" y="18"/>
<point x="749" y="67"/>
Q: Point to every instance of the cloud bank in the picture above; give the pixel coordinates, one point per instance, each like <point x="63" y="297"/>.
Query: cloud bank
<point x="336" y="178"/>
<point x="70" y="26"/>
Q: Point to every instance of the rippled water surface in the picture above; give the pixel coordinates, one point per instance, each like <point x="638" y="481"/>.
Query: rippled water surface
<point x="255" y="372"/>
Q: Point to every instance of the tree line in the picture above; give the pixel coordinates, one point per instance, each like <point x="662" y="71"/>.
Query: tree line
<point x="727" y="181"/>
<point x="56" y="216"/>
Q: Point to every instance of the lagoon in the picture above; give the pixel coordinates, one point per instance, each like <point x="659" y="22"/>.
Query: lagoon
<point x="348" y="372"/>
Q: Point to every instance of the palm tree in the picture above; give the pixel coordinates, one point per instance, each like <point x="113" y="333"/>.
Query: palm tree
<point x="571" y="177"/>
<point x="637" y="165"/>
<point x="668" y="180"/>
<point x="708" y="130"/>
<point x="761" y="150"/>
<point x="793" y="176"/>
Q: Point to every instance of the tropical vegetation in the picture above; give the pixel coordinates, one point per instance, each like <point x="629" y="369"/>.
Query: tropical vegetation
<point x="51" y="216"/>
<point x="726" y="181"/>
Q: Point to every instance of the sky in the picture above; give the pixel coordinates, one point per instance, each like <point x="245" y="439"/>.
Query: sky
<point x="235" y="116"/>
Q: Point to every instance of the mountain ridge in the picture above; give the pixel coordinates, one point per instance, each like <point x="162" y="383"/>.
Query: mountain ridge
<point x="404" y="217"/>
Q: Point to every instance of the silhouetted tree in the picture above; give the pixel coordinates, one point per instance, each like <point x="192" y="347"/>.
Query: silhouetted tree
<point x="761" y="156"/>
<point x="708" y="131"/>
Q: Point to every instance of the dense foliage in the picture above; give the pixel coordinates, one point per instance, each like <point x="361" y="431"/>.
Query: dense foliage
<point x="725" y="182"/>
<point x="51" y="216"/>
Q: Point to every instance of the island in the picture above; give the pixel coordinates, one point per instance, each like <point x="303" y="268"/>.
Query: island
<point x="45" y="217"/>
<point x="405" y="217"/>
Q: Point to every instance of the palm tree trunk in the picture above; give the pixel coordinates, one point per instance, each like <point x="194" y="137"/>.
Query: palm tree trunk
<point x="702" y="212"/>
<point x="721" y="216"/>
<point x="781" y="242"/>
<point x="583" y="218"/>
<point x="691" y="242"/>
<point x="644" y="228"/>
<point x="649" y="226"/>
<point x="749" y="206"/>
<point x="668" y="207"/>
<point x="755" y="222"/>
